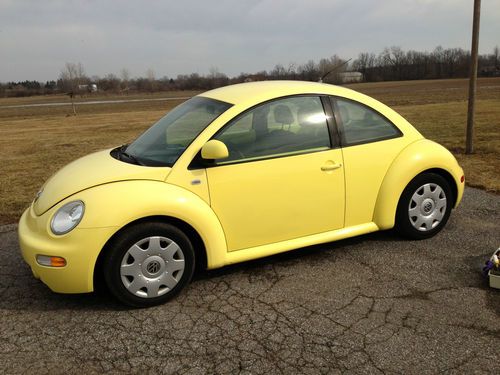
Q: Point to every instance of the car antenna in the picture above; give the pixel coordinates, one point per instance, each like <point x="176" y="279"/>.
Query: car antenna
<point x="331" y="70"/>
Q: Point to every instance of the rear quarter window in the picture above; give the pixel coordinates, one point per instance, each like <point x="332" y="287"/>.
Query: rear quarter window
<point x="361" y="124"/>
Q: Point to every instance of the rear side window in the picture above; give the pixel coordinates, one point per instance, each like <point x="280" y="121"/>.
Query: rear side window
<point x="361" y="124"/>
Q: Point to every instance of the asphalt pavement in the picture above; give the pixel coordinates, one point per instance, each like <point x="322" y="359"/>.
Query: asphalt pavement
<point x="374" y="304"/>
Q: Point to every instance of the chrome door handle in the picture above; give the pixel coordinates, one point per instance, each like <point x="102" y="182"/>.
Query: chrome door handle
<point x="331" y="167"/>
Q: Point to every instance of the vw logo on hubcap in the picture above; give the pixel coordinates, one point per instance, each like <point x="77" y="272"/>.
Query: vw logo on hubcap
<point x="153" y="267"/>
<point x="427" y="206"/>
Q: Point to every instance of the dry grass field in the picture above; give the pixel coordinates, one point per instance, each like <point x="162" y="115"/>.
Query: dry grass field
<point x="37" y="141"/>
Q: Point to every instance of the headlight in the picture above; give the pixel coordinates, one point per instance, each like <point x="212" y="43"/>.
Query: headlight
<point x="67" y="217"/>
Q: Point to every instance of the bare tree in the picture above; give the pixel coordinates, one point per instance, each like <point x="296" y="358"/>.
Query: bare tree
<point x="438" y="57"/>
<point x="72" y="76"/>
<point x="125" y="77"/>
<point x="394" y="59"/>
<point x="150" y="76"/>
<point x="213" y="72"/>
<point x="364" y="64"/>
<point x="496" y="56"/>
<point x="216" y="78"/>
<point x="292" y="71"/>
<point x="278" y="72"/>
<point x="110" y="82"/>
<point x="309" y="71"/>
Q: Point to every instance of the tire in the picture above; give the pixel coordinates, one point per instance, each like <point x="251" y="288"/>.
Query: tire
<point x="148" y="264"/>
<point x="424" y="206"/>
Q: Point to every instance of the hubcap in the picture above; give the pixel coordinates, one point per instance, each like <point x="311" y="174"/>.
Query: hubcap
<point x="427" y="207"/>
<point x="152" y="267"/>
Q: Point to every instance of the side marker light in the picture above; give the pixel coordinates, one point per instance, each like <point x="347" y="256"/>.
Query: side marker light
<point x="50" y="261"/>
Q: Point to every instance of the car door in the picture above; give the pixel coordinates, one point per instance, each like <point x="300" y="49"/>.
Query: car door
<point x="282" y="179"/>
<point x="370" y="143"/>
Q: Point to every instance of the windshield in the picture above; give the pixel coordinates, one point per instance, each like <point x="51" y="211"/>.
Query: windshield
<point x="165" y="141"/>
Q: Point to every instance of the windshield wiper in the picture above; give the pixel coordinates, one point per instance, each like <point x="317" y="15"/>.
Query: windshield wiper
<point x="130" y="157"/>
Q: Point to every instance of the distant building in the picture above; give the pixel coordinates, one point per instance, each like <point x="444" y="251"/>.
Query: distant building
<point x="350" y="77"/>
<point x="89" y="88"/>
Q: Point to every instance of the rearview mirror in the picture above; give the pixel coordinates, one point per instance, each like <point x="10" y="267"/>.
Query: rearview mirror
<point x="214" y="149"/>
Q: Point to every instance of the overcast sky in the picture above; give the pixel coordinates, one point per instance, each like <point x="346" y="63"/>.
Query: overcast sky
<point x="182" y="36"/>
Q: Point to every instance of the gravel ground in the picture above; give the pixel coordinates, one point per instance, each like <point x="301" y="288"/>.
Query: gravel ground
<point x="374" y="304"/>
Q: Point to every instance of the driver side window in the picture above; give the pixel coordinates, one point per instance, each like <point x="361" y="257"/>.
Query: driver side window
<point x="279" y="128"/>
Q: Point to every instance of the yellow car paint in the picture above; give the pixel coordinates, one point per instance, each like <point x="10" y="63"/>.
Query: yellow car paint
<point x="291" y="195"/>
<point x="364" y="176"/>
<point x="219" y="203"/>
<point x="279" y="247"/>
<point x="77" y="247"/>
<point x="214" y="149"/>
<point x="91" y="170"/>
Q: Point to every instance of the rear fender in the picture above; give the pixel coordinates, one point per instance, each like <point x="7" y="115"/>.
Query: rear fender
<point x="416" y="158"/>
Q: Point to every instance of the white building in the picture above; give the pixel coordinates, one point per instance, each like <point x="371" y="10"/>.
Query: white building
<point x="350" y="77"/>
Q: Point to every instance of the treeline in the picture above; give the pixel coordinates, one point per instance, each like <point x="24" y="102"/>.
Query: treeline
<point x="391" y="64"/>
<point x="395" y="64"/>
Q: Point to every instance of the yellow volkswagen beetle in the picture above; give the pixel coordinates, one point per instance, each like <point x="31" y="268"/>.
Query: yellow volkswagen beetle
<point x="234" y="174"/>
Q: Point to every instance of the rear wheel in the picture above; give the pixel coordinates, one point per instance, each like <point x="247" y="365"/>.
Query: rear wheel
<point x="148" y="264"/>
<point x="424" y="206"/>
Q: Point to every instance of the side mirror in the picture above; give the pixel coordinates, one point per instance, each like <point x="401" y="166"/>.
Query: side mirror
<point x="214" y="149"/>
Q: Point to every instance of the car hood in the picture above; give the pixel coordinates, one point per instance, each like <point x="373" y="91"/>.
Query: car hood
<point x="91" y="170"/>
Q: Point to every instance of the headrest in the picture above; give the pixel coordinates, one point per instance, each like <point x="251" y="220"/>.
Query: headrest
<point x="344" y="113"/>
<point x="283" y="115"/>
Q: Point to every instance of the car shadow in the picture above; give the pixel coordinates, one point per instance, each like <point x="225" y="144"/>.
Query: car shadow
<point x="28" y="293"/>
<point x="311" y="253"/>
<point x="33" y="295"/>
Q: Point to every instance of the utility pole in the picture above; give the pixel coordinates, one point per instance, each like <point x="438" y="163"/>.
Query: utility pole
<point x="469" y="148"/>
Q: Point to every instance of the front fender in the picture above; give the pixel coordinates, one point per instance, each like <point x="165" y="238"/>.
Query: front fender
<point x="416" y="158"/>
<point x="120" y="203"/>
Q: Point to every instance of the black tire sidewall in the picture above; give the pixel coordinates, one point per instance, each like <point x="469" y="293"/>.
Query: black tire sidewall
<point x="119" y="246"/>
<point x="403" y="223"/>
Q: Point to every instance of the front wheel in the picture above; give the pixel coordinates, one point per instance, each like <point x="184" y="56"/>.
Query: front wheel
<point x="424" y="206"/>
<point x="148" y="264"/>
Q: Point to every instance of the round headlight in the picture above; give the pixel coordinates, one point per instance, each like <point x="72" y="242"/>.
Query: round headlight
<point x="67" y="217"/>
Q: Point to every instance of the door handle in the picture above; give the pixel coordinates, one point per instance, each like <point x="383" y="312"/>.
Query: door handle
<point x="331" y="167"/>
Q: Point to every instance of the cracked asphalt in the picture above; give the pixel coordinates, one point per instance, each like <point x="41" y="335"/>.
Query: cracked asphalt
<point x="373" y="304"/>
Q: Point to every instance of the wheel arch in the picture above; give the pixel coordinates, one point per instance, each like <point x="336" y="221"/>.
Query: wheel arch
<point x="199" y="247"/>
<point x="423" y="156"/>
<point x="449" y="179"/>
<point x="121" y="204"/>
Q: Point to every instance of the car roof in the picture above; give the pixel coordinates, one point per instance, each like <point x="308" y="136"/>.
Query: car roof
<point x="265" y="90"/>
<point x="247" y="95"/>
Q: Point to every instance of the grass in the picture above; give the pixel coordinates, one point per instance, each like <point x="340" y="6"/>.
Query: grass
<point x="33" y="147"/>
<point x="35" y="142"/>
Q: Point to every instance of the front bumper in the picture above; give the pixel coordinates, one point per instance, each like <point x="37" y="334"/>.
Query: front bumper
<point x="80" y="248"/>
